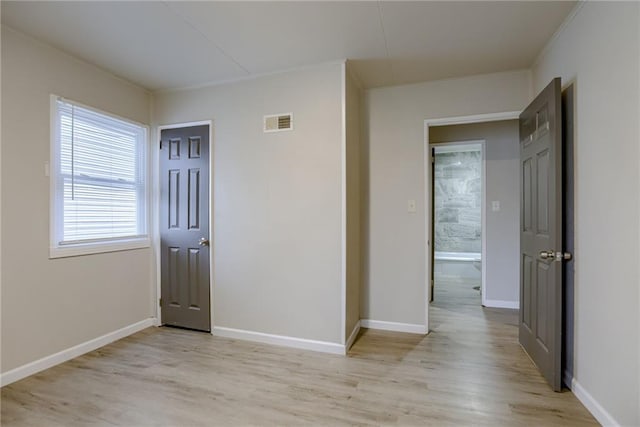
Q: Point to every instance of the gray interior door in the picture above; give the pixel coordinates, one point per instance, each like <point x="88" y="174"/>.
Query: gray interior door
<point x="541" y="233"/>
<point x="184" y="227"/>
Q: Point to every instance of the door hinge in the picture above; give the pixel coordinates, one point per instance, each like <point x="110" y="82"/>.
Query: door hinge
<point x="160" y="302"/>
<point x="161" y="144"/>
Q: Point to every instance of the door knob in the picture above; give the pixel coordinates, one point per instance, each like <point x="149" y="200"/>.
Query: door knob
<point x="556" y="256"/>
<point x="547" y="254"/>
<point x="203" y="241"/>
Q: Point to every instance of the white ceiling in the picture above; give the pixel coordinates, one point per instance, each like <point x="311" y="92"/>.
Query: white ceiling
<point x="174" y="44"/>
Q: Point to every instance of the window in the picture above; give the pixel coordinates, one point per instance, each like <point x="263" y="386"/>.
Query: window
<point x="99" y="191"/>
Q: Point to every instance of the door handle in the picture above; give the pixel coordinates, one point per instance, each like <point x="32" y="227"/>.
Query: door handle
<point x="203" y="241"/>
<point x="556" y="256"/>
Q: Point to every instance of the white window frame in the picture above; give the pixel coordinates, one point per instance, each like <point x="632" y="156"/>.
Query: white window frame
<point x="57" y="250"/>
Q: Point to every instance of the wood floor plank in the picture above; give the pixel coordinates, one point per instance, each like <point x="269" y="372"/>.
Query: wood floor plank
<point x="469" y="370"/>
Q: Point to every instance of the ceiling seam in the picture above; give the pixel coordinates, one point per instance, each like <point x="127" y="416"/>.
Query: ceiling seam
<point x="222" y="51"/>
<point x="384" y="37"/>
<point x="244" y="78"/>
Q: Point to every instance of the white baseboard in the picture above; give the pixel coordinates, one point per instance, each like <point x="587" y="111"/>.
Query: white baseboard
<point x="71" y="353"/>
<point x="495" y="303"/>
<point x="567" y="379"/>
<point x="393" y="326"/>
<point x="352" y="337"/>
<point x="592" y="405"/>
<point x="282" y="340"/>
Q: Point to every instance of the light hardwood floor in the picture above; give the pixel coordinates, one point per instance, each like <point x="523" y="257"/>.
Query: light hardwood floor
<point x="468" y="371"/>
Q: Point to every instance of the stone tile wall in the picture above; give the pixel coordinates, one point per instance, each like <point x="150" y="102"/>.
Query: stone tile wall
<point x="458" y="201"/>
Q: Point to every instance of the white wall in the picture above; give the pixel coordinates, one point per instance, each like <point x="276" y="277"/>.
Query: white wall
<point x="502" y="234"/>
<point x="51" y="305"/>
<point x="277" y="198"/>
<point x="353" y="203"/>
<point x="395" y="254"/>
<point x="598" y="50"/>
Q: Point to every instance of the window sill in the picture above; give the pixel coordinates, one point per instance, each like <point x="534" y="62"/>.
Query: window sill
<point x="98" y="247"/>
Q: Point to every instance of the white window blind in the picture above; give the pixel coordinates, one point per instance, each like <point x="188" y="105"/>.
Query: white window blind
<point x="100" y="191"/>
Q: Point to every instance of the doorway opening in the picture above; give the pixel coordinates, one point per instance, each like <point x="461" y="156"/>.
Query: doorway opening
<point x="498" y="262"/>
<point x="457" y="225"/>
<point x="500" y="270"/>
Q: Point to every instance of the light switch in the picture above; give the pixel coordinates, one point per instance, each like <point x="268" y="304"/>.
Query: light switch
<point x="495" y="205"/>
<point x="411" y="206"/>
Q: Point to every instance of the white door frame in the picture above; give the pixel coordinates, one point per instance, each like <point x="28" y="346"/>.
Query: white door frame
<point x="156" y="214"/>
<point x="454" y="120"/>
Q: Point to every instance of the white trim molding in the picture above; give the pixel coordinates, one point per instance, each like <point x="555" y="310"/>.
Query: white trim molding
<point x="352" y="337"/>
<point x="410" y="328"/>
<point x="494" y="303"/>
<point x="483" y="226"/>
<point x="343" y="204"/>
<point x="99" y="247"/>
<point x="556" y="35"/>
<point x="592" y="405"/>
<point x="477" y="118"/>
<point x="47" y="362"/>
<point x="281" y="340"/>
<point x="426" y="167"/>
<point x="567" y="379"/>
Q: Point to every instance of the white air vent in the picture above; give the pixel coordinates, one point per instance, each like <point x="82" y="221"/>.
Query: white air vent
<point x="278" y="122"/>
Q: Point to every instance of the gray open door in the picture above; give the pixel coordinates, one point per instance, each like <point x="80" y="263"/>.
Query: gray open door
<point x="541" y="243"/>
